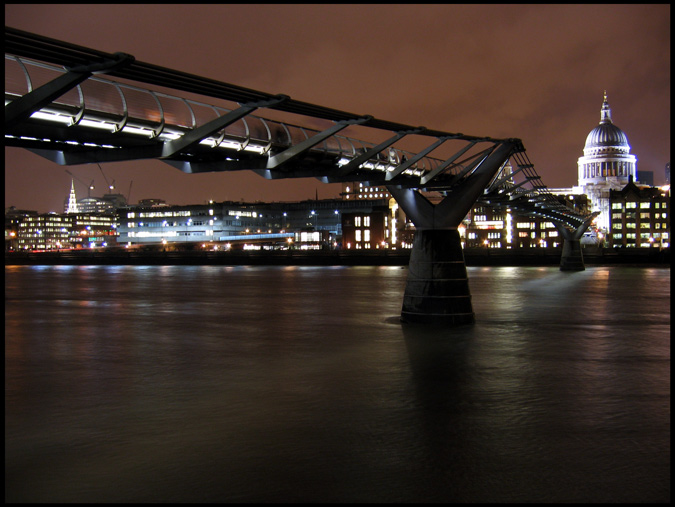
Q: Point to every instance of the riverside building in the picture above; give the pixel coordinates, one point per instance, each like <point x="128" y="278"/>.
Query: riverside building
<point x="221" y="226"/>
<point x="54" y="231"/>
<point x="640" y="216"/>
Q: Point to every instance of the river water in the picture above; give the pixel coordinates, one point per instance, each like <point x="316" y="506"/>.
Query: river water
<point x="299" y="384"/>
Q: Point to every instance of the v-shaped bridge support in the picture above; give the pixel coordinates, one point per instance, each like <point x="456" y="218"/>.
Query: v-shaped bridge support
<point x="572" y="258"/>
<point x="437" y="288"/>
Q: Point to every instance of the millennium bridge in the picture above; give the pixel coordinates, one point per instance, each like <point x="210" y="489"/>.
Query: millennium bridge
<point x="58" y="105"/>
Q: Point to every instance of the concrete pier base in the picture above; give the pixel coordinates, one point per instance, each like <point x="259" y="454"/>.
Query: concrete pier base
<point x="437" y="289"/>
<point x="572" y="258"/>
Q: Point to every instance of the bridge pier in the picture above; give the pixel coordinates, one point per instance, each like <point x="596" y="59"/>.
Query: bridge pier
<point x="572" y="258"/>
<point x="437" y="288"/>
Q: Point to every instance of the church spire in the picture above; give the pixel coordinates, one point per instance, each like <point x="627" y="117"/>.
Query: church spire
<point x="72" y="200"/>
<point x="605" y="113"/>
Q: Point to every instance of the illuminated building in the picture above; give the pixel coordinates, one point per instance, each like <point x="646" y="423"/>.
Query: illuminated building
<point x="53" y="231"/>
<point x="640" y="216"/>
<point x="365" y="231"/>
<point x="13" y="219"/>
<point x="606" y="164"/>
<point x="109" y="203"/>
<point x="307" y="224"/>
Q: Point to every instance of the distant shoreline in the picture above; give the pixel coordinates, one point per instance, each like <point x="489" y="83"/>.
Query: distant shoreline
<point x="473" y="257"/>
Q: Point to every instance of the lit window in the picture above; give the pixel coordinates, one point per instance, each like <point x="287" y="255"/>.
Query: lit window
<point x="357" y="235"/>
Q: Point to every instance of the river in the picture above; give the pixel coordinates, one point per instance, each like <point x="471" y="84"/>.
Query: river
<point x="299" y="384"/>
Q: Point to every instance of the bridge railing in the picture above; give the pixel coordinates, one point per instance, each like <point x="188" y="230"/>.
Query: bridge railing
<point x="128" y="109"/>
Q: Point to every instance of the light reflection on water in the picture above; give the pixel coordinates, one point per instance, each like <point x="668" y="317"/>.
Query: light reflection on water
<point x="213" y="383"/>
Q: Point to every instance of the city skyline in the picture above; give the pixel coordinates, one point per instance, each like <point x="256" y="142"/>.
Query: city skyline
<point x="533" y="72"/>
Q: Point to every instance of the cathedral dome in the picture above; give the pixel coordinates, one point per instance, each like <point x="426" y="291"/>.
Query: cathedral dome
<point x="606" y="134"/>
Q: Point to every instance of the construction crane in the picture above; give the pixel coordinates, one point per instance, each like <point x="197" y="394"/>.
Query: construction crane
<point x="90" y="187"/>
<point x="110" y="187"/>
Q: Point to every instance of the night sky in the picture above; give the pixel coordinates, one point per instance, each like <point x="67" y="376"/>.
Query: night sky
<point x="535" y="72"/>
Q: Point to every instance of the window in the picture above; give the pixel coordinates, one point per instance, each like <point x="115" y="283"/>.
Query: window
<point x="357" y="222"/>
<point x="617" y="205"/>
<point x="357" y="235"/>
<point x="366" y="222"/>
<point x="366" y="235"/>
<point x="631" y="205"/>
<point x="644" y="205"/>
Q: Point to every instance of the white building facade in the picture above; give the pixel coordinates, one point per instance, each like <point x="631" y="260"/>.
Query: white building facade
<point x="607" y="164"/>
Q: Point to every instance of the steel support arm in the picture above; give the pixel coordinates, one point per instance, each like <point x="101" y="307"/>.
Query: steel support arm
<point x="355" y="163"/>
<point x="432" y="174"/>
<point x="276" y="160"/>
<point x="578" y="232"/>
<point x="505" y="178"/>
<point x="450" y="212"/>
<point x="402" y="167"/>
<point x="195" y="136"/>
<point x="22" y="108"/>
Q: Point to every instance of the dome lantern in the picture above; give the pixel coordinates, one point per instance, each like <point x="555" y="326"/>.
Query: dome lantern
<point x="606" y="135"/>
<point x="605" y="112"/>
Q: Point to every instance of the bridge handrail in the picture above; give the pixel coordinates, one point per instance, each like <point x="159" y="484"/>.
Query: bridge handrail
<point x="340" y="146"/>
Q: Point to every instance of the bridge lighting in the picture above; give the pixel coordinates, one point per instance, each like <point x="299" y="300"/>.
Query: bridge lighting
<point x="138" y="131"/>
<point x="169" y="136"/>
<point x="40" y="115"/>
<point x="98" y="125"/>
